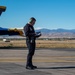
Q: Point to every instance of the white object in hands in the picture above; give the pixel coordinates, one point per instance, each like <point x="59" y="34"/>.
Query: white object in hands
<point x="38" y="34"/>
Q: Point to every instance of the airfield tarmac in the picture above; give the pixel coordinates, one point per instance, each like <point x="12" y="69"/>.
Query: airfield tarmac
<point x="48" y="61"/>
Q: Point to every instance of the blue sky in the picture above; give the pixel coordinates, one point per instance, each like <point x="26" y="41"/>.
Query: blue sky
<point x="51" y="14"/>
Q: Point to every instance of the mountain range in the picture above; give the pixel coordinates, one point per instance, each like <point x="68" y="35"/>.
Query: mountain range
<point x="57" y="33"/>
<point x="54" y="33"/>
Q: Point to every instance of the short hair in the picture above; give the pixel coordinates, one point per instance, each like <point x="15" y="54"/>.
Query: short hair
<point x="32" y="19"/>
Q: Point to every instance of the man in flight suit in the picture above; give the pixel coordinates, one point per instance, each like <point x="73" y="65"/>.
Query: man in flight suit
<point x="30" y="41"/>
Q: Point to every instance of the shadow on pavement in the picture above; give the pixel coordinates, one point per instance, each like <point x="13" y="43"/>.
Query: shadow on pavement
<point x="65" y="67"/>
<point x="16" y="69"/>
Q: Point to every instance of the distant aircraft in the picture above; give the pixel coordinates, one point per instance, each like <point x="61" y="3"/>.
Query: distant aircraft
<point x="7" y="31"/>
<point x="2" y="9"/>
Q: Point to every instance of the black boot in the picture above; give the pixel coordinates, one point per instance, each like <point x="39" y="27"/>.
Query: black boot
<point x="30" y="67"/>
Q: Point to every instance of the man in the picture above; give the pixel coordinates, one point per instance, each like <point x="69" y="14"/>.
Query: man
<point x="30" y="41"/>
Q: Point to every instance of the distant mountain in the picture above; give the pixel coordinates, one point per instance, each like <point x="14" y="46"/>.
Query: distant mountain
<point x="54" y="33"/>
<point x="55" y="30"/>
<point x="3" y="28"/>
<point x="57" y="33"/>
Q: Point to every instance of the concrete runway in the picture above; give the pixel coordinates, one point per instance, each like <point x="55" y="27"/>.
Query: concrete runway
<point x="48" y="61"/>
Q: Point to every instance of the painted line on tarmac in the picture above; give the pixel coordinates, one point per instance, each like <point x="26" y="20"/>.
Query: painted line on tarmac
<point x="37" y="60"/>
<point x="48" y="57"/>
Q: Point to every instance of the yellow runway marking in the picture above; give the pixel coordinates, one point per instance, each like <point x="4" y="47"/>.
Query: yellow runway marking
<point x="67" y="57"/>
<point x="40" y="59"/>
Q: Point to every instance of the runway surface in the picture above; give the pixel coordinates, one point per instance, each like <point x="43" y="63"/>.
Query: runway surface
<point x="48" y="61"/>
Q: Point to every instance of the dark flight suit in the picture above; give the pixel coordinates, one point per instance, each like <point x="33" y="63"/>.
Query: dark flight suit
<point x="30" y="41"/>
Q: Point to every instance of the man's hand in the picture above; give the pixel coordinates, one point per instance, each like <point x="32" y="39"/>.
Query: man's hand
<point x="38" y="34"/>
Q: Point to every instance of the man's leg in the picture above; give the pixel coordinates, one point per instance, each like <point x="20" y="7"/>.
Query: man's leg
<point x="33" y="48"/>
<point x="30" y="55"/>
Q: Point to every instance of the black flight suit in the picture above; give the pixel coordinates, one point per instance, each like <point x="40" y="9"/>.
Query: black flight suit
<point x="30" y="41"/>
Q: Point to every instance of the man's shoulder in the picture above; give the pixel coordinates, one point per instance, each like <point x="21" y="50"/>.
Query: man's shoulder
<point x="27" y="25"/>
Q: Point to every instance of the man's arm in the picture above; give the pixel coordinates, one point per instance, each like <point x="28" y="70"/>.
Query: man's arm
<point x="26" y="31"/>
